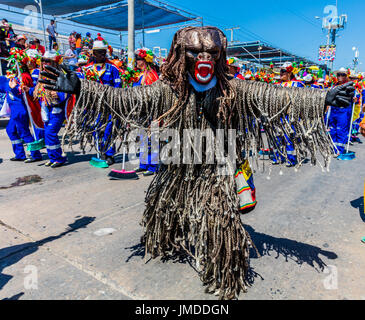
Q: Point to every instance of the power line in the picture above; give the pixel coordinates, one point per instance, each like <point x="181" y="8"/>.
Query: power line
<point x="303" y="17"/>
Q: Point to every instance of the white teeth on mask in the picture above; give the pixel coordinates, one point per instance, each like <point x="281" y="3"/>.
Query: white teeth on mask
<point x="204" y="65"/>
<point x="204" y="79"/>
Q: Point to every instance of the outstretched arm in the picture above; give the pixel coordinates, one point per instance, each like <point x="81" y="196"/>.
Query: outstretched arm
<point x="288" y="116"/>
<point x="99" y="104"/>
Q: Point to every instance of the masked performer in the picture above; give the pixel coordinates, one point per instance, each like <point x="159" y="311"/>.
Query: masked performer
<point x="194" y="208"/>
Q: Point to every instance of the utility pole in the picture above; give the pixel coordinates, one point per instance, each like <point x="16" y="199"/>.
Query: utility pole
<point x="121" y="45"/>
<point x="231" y="29"/>
<point x="131" y="39"/>
<point x="356" y="59"/>
<point x="143" y="40"/>
<point x="39" y="2"/>
<point x="332" y="24"/>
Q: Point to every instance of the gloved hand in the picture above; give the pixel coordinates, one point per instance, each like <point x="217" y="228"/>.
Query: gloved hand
<point x="62" y="81"/>
<point x="341" y="96"/>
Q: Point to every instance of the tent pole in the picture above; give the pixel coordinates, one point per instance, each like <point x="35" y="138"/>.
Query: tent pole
<point x="39" y="2"/>
<point x="143" y="23"/>
<point x="131" y="39"/>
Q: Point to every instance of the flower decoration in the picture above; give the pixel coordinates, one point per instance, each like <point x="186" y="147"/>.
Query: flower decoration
<point x="129" y="76"/>
<point x="17" y="57"/>
<point x="147" y="55"/>
<point x="91" y="75"/>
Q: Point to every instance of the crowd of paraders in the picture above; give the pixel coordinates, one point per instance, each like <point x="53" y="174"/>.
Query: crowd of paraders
<point x="37" y="114"/>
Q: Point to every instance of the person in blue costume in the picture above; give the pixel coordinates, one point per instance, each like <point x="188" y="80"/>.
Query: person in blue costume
<point x="287" y="80"/>
<point x="108" y="74"/>
<point x="144" y="60"/>
<point x="234" y="68"/>
<point x="18" y="127"/>
<point x="53" y="114"/>
<point x="34" y="68"/>
<point x="310" y="82"/>
<point x="340" y="119"/>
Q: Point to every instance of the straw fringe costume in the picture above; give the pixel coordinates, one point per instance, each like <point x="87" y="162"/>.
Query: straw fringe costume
<point x="193" y="208"/>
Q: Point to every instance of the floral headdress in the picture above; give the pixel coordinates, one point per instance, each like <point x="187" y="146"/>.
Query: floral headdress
<point x="17" y="57"/>
<point x="147" y="55"/>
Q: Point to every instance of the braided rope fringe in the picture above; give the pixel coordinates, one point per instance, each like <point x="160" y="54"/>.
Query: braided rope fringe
<point x="191" y="208"/>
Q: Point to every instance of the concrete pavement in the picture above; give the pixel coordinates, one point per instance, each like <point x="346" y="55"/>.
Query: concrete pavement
<point x="79" y="233"/>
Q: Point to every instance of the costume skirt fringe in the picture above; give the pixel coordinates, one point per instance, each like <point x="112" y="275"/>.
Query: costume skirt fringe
<point x="192" y="209"/>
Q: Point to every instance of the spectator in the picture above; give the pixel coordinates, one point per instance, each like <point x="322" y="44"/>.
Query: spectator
<point x="4" y="34"/>
<point x="78" y="43"/>
<point x="11" y="32"/>
<point x="88" y="41"/>
<point x="7" y="34"/>
<point x="57" y="50"/>
<point x="51" y="29"/>
<point x="21" y="42"/>
<point x="99" y="37"/>
<point x="72" y="39"/>
<point x="37" y="46"/>
<point x="4" y="53"/>
<point x="70" y="58"/>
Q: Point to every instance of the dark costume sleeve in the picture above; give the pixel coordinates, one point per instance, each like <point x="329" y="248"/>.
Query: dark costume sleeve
<point x="99" y="105"/>
<point x="295" y="114"/>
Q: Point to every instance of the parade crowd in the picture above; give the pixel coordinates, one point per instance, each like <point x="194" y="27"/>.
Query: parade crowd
<point x="200" y="88"/>
<point x="37" y="114"/>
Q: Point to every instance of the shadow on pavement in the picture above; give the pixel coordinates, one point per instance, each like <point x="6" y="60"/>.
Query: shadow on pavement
<point x="359" y="204"/>
<point x="298" y="252"/>
<point x="18" y="252"/>
<point x="76" y="157"/>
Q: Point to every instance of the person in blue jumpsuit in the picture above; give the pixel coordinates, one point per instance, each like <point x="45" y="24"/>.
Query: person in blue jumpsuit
<point x="53" y="115"/>
<point x="18" y="126"/>
<point x="39" y="133"/>
<point x="53" y="121"/>
<point x="310" y="82"/>
<point x="149" y="158"/>
<point x="356" y="123"/>
<point x="287" y="80"/>
<point x="340" y="120"/>
<point x="109" y="75"/>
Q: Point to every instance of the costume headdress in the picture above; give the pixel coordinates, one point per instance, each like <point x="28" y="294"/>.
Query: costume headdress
<point x="145" y="54"/>
<point x="17" y="57"/>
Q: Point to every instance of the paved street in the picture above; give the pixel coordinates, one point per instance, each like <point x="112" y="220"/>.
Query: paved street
<point x="80" y="231"/>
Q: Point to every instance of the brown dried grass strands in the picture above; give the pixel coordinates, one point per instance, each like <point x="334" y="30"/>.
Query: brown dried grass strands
<point x="191" y="208"/>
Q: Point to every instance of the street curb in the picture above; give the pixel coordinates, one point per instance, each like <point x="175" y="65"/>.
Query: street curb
<point x="4" y="122"/>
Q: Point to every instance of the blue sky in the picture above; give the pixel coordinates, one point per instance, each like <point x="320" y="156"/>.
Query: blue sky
<point x="288" y="24"/>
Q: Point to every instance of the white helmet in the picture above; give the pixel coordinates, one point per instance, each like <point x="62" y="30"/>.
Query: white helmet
<point x="33" y="53"/>
<point x="50" y="55"/>
<point x="100" y="45"/>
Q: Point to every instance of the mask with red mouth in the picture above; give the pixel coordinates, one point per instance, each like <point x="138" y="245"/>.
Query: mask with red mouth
<point x="204" y="48"/>
<point x="204" y="71"/>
